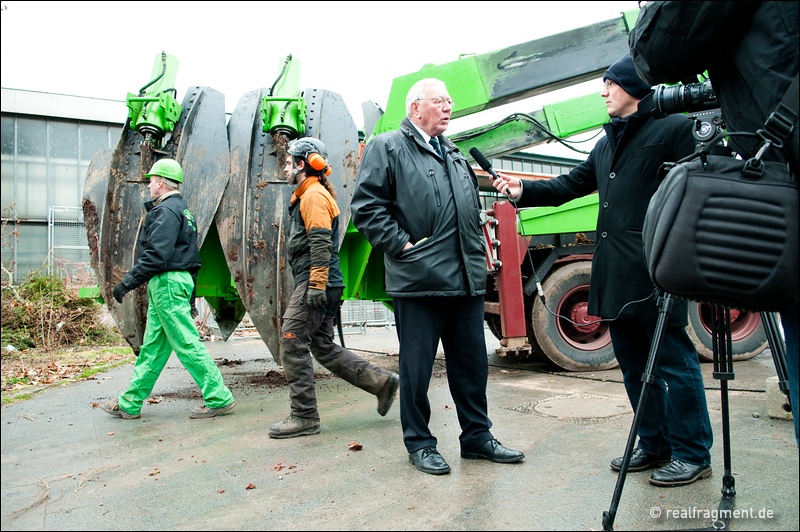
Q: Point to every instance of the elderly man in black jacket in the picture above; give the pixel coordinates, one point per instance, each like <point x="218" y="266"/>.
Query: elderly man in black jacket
<point x="416" y="199"/>
<point x="675" y="432"/>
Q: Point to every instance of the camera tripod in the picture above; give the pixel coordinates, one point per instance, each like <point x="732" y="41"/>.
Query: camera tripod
<point x="723" y="371"/>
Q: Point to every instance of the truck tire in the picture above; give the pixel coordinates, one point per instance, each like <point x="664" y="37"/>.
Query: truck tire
<point x="571" y="346"/>
<point x="493" y="322"/>
<point x="747" y="332"/>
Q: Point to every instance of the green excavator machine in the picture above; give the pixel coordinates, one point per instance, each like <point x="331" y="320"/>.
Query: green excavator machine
<point x="235" y="186"/>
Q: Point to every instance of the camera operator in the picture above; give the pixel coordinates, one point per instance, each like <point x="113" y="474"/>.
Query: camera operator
<point x="675" y="435"/>
<point x="751" y="53"/>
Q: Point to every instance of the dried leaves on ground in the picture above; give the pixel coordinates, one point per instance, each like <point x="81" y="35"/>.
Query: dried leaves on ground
<point x="29" y="369"/>
<point x="50" y="334"/>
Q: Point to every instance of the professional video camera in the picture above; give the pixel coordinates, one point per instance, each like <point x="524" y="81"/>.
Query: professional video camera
<point x="684" y="98"/>
<point x="699" y="101"/>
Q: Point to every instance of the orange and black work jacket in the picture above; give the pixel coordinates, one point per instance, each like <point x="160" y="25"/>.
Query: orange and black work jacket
<point x="313" y="246"/>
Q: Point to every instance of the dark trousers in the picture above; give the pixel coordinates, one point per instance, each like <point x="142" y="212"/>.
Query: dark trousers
<point x="675" y="420"/>
<point x="458" y="322"/>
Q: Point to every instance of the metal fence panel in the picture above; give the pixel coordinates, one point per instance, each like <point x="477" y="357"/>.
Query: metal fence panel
<point x="362" y="314"/>
<point x="68" y="248"/>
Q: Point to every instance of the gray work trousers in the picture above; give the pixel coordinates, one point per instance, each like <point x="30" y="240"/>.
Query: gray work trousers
<point x="306" y="331"/>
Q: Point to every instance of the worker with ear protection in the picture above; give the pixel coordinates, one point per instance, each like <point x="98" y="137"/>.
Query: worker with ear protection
<point x="308" y="323"/>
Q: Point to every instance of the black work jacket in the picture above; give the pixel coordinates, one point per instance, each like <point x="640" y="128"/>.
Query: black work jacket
<point x="168" y="241"/>
<point x="625" y="175"/>
<point x="406" y="192"/>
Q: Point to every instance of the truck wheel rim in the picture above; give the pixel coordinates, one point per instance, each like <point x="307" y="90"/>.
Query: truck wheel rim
<point x="584" y="334"/>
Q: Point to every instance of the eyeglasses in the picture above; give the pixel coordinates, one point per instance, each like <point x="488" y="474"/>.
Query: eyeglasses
<point x="607" y="84"/>
<point x="439" y="101"/>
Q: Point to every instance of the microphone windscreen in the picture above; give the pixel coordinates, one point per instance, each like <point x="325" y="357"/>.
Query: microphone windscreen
<point x="482" y="161"/>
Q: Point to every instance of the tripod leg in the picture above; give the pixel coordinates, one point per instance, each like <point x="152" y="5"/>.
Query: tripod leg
<point x="723" y="371"/>
<point x="664" y="308"/>
<point x="777" y="348"/>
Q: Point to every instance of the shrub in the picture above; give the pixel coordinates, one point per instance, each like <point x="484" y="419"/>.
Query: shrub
<point x="44" y="314"/>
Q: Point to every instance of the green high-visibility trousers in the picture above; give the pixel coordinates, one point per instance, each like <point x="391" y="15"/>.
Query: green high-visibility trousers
<point x="170" y="327"/>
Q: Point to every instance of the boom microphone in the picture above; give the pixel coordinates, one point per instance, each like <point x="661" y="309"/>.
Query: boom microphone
<point x="482" y="161"/>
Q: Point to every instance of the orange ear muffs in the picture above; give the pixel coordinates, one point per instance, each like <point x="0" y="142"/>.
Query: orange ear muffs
<point x="318" y="162"/>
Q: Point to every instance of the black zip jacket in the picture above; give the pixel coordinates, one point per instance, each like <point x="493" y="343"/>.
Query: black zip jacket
<point x="168" y="241"/>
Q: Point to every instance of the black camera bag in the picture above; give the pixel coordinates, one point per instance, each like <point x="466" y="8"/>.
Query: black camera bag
<point x="725" y="231"/>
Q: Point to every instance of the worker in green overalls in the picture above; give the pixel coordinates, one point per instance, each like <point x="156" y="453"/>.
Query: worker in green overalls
<point x="168" y="263"/>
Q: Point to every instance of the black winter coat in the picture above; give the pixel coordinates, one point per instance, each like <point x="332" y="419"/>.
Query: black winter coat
<point x="405" y="192"/>
<point x="625" y="175"/>
<point x="168" y="241"/>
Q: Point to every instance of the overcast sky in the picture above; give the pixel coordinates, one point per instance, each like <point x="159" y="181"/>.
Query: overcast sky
<point x="107" y="49"/>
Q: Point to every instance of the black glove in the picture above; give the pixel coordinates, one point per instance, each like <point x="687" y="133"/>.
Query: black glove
<point x="193" y="298"/>
<point x="316" y="298"/>
<point x="119" y="292"/>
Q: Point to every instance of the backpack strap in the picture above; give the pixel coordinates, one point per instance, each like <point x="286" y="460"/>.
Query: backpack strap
<point x="780" y="122"/>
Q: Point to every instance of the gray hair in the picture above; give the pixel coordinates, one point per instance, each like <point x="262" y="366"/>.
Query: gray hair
<point x="417" y="91"/>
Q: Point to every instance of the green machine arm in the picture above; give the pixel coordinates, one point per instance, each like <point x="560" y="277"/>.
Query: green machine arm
<point x="481" y="82"/>
<point x="155" y="110"/>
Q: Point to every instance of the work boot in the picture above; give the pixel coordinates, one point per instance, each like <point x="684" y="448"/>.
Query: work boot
<point x="294" y="426"/>
<point x="387" y="393"/>
<point x="112" y="407"/>
<point x="204" y="412"/>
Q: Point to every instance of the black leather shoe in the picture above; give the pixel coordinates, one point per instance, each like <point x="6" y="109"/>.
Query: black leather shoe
<point x="428" y="460"/>
<point x="493" y="450"/>
<point x="678" y="473"/>
<point x="640" y="461"/>
<point x="387" y="393"/>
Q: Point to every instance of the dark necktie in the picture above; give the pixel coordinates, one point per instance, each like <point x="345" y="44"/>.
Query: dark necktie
<point x="435" y="143"/>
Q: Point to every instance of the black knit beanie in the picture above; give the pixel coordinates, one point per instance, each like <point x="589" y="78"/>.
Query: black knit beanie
<point x="624" y="74"/>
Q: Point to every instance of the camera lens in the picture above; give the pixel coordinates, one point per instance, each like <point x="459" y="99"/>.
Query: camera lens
<point x="684" y="98"/>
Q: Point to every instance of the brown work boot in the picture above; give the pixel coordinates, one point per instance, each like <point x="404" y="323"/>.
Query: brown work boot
<point x="204" y="412"/>
<point x="294" y="426"/>
<point x="387" y="393"/>
<point x="111" y="406"/>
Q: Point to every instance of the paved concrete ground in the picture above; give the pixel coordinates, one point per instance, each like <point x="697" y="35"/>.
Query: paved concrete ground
<point x="67" y="465"/>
